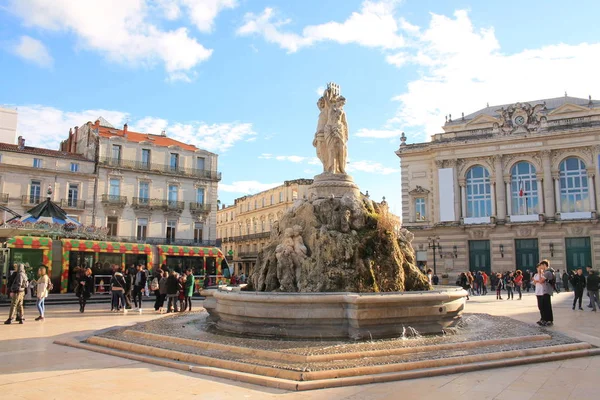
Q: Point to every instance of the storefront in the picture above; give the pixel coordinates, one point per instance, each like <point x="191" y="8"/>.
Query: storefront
<point x="205" y="262"/>
<point x="100" y="256"/>
<point x="33" y="252"/>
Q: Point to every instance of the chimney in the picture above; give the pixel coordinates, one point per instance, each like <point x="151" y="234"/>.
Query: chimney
<point x="125" y="128"/>
<point x="21" y="142"/>
<point x="163" y="133"/>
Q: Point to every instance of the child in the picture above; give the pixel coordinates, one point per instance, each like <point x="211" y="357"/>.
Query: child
<point x="499" y="287"/>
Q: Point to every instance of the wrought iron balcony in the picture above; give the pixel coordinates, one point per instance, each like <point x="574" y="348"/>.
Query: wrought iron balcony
<point x="252" y="236"/>
<point x="163" y="241"/>
<point x="114" y="199"/>
<point x="248" y="254"/>
<point x="3" y="198"/>
<point x="200" y="208"/>
<point x="31" y="200"/>
<point x="72" y="204"/>
<point x="160" y="168"/>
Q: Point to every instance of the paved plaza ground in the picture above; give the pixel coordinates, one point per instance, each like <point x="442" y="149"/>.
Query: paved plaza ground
<point x="32" y="367"/>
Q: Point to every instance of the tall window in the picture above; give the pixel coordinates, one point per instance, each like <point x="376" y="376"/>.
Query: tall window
<point x="479" y="193"/>
<point x="114" y="189"/>
<point x="144" y="193"/>
<point x="574" y="190"/>
<point x="116" y="152"/>
<point x="262" y="225"/>
<point x="112" y="223"/>
<point x="37" y="163"/>
<point x="174" y="162"/>
<point x="263" y="202"/>
<point x="198" y="230"/>
<point x="272" y="202"/>
<point x="35" y="191"/>
<point x="255" y="204"/>
<point x="172" y="194"/>
<point x="171" y="226"/>
<point x="200" y="163"/>
<point x="74" y="167"/>
<point x="145" y="158"/>
<point x="281" y="197"/>
<point x="200" y="195"/>
<point x="73" y="195"/>
<point x="420" y="210"/>
<point x="142" y="228"/>
<point x="524" y="189"/>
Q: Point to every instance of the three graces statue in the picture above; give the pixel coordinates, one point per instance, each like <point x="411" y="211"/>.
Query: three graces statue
<point x="332" y="131"/>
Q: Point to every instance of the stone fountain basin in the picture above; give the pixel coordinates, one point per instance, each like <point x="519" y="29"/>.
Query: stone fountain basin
<point x="335" y="315"/>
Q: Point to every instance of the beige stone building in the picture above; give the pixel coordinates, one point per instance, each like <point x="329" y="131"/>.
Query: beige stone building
<point x="149" y="187"/>
<point x="244" y="227"/>
<point x="507" y="186"/>
<point x="27" y="172"/>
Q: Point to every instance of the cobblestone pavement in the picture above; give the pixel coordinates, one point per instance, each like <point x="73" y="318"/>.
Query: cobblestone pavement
<point x="33" y="367"/>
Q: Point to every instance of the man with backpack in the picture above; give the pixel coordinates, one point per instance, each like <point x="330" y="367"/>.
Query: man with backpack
<point x="543" y="291"/>
<point x="138" y="286"/>
<point x="17" y="284"/>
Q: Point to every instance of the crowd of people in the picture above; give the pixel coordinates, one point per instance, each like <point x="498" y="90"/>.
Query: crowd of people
<point x="18" y="284"/>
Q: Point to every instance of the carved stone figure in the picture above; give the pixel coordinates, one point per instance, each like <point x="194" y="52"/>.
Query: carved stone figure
<point x="521" y="118"/>
<point x="284" y="253"/>
<point x="319" y="140"/>
<point x="332" y="131"/>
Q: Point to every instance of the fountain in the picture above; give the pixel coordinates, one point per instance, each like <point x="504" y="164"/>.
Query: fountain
<point x="337" y="264"/>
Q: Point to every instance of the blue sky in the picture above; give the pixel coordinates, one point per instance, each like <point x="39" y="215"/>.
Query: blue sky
<point x="241" y="77"/>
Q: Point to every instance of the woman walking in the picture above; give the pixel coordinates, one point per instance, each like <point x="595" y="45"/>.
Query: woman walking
<point x="510" y="285"/>
<point x="117" y="284"/>
<point x="162" y="288"/>
<point x="86" y="288"/>
<point x="43" y="286"/>
<point x="519" y="283"/>
<point x="499" y="286"/>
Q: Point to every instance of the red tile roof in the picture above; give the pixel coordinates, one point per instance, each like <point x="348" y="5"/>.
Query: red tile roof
<point x="137" y="137"/>
<point x="38" y="151"/>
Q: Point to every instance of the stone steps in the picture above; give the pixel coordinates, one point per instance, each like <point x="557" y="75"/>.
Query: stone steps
<point x="293" y="372"/>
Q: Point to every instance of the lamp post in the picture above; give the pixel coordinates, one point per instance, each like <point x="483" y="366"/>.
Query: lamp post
<point x="434" y="244"/>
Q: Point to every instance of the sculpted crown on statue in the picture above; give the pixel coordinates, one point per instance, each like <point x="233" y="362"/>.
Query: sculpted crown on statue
<point x="332" y="131"/>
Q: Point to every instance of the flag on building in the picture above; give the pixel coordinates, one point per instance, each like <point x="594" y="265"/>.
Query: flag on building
<point x="521" y="189"/>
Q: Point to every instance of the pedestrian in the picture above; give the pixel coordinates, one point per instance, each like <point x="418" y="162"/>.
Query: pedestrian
<point x="471" y="281"/>
<point x="578" y="282"/>
<point x="519" y="283"/>
<point x="117" y="284"/>
<point x="181" y="295"/>
<point x="565" y="281"/>
<point x="430" y="276"/>
<point x="155" y="287"/>
<point x="479" y="283"/>
<point x="138" y="286"/>
<point x="162" y="288"/>
<point x="463" y="281"/>
<point x="510" y="285"/>
<point x="43" y="287"/>
<point x="17" y="294"/>
<point x="593" y="280"/>
<point x="485" y="282"/>
<point x="543" y="290"/>
<point x="172" y="291"/>
<point x="527" y="280"/>
<point x="129" y="276"/>
<point x="435" y="280"/>
<point x="587" y="271"/>
<point x="188" y="290"/>
<point x="499" y="286"/>
<point x="87" y="288"/>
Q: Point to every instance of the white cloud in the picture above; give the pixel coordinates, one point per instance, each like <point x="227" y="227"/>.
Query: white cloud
<point x="246" y="187"/>
<point x="370" y="167"/>
<point x="462" y="68"/>
<point x="33" y="50"/>
<point x="128" y="32"/>
<point x="378" y="133"/>
<point x="292" y="158"/>
<point x="47" y="127"/>
<point x="320" y="90"/>
<point x="373" y="26"/>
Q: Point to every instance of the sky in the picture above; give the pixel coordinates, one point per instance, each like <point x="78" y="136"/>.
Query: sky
<point x="241" y="77"/>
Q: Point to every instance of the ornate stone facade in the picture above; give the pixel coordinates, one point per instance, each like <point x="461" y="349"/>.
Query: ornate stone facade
<point x="520" y="181"/>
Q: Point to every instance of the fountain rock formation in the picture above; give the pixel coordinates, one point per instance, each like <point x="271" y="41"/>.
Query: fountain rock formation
<point x="337" y="240"/>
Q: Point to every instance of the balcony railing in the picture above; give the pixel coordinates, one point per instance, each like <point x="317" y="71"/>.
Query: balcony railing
<point x="3" y="198"/>
<point x="114" y="199"/>
<point x="248" y="254"/>
<point x="252" y="236"/>
<point x="31" y="200"/>
<point x="162" y="241"/>
<point x="200" y="208"/>
<point x="156" y="204"/>
<point x="160" y="168"/>
<point x="71" y="204"/>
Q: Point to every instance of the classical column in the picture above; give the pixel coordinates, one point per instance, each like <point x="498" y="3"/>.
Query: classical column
<point x="457" y="208"/>
<point x="500" y="197"/>
<point x="548" y="192"/>
<point x="591" y="189"/>
<point x="508" y="196"/>
<point x="596" y="153"/>
<point x="556" y="178"/>
<point x="494" y="197"/>
<point x="439" y="164"/>
<point x="463" y="197"/>
<point x="540" y="182"/>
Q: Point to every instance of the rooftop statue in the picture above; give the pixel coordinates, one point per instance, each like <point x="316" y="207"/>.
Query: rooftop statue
<point x="331" y="136"/>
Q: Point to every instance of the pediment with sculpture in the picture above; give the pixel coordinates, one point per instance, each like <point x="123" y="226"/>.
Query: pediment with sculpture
<point x="521" y="118"/>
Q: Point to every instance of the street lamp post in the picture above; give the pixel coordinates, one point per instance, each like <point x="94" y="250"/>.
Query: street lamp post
<point x="434" y="244"/>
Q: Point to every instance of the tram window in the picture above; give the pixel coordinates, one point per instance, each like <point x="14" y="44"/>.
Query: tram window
<point x="225" y="269"/>
<point x="211" y="265"/>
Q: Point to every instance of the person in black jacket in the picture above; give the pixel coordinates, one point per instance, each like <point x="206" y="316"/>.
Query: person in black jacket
<point x="172" y="291"/>
<point x="139" y="284"/>
<point x="593" y="281"/>
<point x="578" y="282"/>
<point x="565" y="280"/>
<point x="85" y="288"/>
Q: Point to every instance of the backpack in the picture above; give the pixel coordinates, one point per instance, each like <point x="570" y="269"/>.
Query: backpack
<point x="552" y="281"/>
<point x="154" y="284"/>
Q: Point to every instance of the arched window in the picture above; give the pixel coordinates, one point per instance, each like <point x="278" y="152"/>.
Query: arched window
<point x="574" y="189"/>
<point x="524" y="189"/>
<point x="479" y="192"/>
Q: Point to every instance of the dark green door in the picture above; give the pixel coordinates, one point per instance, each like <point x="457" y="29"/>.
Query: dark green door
<point x="579" y="253"/>
<point x="528" y="254"/>
<point x="479" y="256"/>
